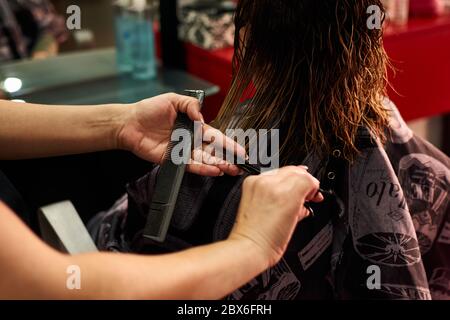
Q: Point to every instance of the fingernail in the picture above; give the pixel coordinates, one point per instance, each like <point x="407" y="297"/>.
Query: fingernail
<point x="202" y="119"/>
<point x="221" y="174"/>
<point x="305" y="167"/>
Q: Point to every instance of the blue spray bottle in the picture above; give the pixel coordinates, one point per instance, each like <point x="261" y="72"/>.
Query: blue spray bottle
<point x="124" y="35"/>
<point x="144" y="57"/>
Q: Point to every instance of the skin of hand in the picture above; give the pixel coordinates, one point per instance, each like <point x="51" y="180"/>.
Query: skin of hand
<point x="271" y="206"/>
<point x="148" y="125"/>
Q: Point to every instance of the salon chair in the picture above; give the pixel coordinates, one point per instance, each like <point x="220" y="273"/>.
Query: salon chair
<point x="61" y="227"/>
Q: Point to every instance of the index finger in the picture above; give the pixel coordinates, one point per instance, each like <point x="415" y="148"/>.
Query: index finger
<point x="286" y="170"/>
<point x="314" y="194"/>
<point x="220" y="141"/>
<point x="188" y="105"/>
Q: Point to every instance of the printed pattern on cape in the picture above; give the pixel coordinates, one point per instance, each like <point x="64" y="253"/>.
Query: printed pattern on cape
<point x="440" y="284"/>
<point x="425" y="181"/>
<point x="382" y="228"/>
<point x="379" y="217"/>
<point x="107" y="226"/>
<point x="277" y="283"/>
<point x="424" y="174"/>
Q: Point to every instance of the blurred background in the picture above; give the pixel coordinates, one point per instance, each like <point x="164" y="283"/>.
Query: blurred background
<point x="104" y="51"/>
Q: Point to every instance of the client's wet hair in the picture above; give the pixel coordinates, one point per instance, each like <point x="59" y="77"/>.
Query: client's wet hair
<point x="318" y="70"/>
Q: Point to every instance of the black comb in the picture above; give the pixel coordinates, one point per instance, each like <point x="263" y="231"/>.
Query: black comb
<point x="249" y="168"/>
<point x="169" y="180"/>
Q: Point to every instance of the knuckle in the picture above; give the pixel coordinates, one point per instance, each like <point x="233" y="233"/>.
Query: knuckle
<point x="260" y="183"/>
<point x="280" y="191"/>
<point x="171" y="95"/>
<point x="249" y="182"/>
<point x="313" y="180"/>
<point x="292" y="170"/>
<point x="288" y="170"/>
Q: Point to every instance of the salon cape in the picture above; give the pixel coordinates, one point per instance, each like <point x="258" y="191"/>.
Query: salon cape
<point x="391" y="242"/>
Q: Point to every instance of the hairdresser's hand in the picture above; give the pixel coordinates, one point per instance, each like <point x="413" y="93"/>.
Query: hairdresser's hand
<point x="146" y="130"/>
<point x="272" y="204"/>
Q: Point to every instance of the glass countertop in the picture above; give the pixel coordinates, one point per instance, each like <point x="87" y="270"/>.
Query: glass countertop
<point x="91" y="77"/>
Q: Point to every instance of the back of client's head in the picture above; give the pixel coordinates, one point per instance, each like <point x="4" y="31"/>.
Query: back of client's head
<point x="318" y="70"/>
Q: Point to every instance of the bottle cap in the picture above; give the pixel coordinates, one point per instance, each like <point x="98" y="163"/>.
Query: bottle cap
<point x="122" y="3"/>
<point x="139" y="5"/>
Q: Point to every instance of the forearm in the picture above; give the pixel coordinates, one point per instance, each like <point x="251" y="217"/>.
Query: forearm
<point x="208" y="272"/>
<point x="30" y="131"/>
<point x="31" y="270"/>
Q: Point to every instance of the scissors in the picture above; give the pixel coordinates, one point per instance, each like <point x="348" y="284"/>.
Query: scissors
<point x="255" y="170"/>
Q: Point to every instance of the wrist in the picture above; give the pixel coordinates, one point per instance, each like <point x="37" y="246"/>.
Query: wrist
<point x="256" y="253"/>
<point x="118" y="117"/>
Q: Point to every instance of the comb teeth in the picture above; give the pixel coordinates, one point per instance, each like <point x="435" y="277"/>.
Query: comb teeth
<point x="250" y="169"/>
<point x="184" y="122"/>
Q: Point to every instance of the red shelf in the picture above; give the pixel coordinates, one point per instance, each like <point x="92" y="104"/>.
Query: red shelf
<point x="421" y="54"/>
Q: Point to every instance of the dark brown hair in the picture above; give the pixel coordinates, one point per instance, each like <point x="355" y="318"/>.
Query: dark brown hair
<point x="318" y="70"/>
